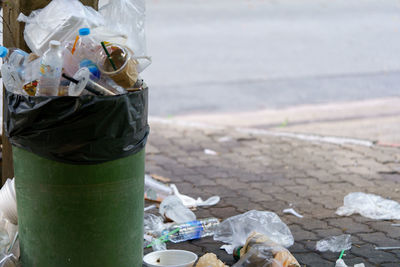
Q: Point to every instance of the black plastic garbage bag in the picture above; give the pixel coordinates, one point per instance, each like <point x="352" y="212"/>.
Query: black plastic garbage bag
<point x="78" y="130"/>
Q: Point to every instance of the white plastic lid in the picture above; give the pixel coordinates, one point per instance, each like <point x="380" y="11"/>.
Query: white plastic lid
<point x="54" y="44"/>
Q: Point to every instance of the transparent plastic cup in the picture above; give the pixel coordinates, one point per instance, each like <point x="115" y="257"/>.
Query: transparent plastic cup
<point x="124" y="71"/>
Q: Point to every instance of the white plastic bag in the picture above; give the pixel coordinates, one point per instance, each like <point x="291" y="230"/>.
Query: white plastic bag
<point x="60" y="20"/>
<point x="235" y="230"/>
<point x="127" y="17"/>
<point x="334" y="243"/>
<point x="370" y="206"/>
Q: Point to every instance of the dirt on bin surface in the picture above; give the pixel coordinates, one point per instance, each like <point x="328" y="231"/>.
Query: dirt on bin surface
<point x="257" y="170"/>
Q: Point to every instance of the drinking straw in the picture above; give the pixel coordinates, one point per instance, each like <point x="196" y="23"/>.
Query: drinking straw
<point x="341" y="254"/>
<point x="74" y="47"/>
<point x="108" y="56"/>
<point x="163" y="238"/>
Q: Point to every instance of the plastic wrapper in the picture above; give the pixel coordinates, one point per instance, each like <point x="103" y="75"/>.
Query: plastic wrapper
<point x="127" y="17"/>
<point x="59" y="20"/>
<point x="236" y="229"/>
<point x="210" y="259"/>
<point x="78" y="130"/>
<point x="153" y="224"/>
<point x="172" y="207"/>
<point x="334" y="243"/>
<point x="370" y="206"/>
<point x="260" y="251"/>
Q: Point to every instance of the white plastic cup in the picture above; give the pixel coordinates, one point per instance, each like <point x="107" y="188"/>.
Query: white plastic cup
<point x="170" y="258"/>
<point x="8" y="201"/>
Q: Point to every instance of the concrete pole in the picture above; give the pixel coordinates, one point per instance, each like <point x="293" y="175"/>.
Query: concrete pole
<point x="13" y="37"/>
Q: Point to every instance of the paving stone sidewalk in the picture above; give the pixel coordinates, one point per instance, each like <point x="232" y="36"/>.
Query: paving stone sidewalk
<point x="265" y="172"/>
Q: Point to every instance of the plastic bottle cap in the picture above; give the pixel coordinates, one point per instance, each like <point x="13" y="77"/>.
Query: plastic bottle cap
<point x="84" y="31"/>
<point x="54" y="44"/>
<point x="3" y="51"/>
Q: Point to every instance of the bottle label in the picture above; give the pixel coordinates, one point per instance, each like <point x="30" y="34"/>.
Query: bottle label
<point x="48" y="71"/>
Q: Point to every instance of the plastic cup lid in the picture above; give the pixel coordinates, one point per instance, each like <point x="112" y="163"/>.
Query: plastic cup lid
<point x="84" y="31"/>
<point x="54" y="43"/>
<point x="3" y="51"/>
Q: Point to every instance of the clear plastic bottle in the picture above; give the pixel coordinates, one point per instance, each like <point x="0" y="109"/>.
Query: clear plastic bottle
<point x="50" y="70"/>
<point x="86" y="47"/>
<point x="192" y="230"/>
<point x="85" y="52"/>
<point x="12" y="68"/>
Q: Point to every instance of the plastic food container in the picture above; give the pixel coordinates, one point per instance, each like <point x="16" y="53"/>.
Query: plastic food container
<point x="170" y="258"/>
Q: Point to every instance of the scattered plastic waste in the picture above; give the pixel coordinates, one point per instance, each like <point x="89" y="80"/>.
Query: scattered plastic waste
<point x="170" y="258"/>
<point x="172" y="208"/>
<point x="154" y="190"/>
<point x="191" y="202"/>
<point x="261" y="251"/>
<point x="153" y="224"/>
<point x="210" y="260"/>
<point x="225" y="139"/>
<point x="210" y="152"/>
<point x="150" y="207"/>
<point x="341" y="263"/>
<point x="191" y="230"/>
<point x="370" y="206"/>
<point x="235" y="230"/>
<point x="386" y="248"/>
<point x="334" y="243"/>
<point x="292" y="211"/>
<point x="8" y="201"/>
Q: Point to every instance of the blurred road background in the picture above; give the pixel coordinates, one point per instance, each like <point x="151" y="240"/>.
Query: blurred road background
<point x="328" y="67"/>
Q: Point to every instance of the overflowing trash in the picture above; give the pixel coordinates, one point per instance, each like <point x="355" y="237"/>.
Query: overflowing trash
<point x="370" y="206"/>
<point x="235" y="230"/>
<point x="334" y="243"/>
<point x="78" y="50"/>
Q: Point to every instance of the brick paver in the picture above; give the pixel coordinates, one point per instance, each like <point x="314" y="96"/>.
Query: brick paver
<point x="263" y="172"/>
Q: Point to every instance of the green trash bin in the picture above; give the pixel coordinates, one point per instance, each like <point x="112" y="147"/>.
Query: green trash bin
<point x="79" y="178"/>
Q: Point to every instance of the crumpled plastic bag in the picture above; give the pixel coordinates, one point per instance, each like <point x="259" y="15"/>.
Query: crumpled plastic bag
<point x="59" y="20"/>
<point x="370" y="206"/>
<point x="127" y="17"/>
<point x="9" y="245"/>
<point x="210" y="260"/>
<point x="334" y="243"/>
<point x="260" y="251"/>
<point x="235" y="230"/>
<point x="153" y="224"/>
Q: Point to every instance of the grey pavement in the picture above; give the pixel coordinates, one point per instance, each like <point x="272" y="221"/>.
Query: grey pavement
<point x="243" y="55"/>
<point x="265" y="172"/>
